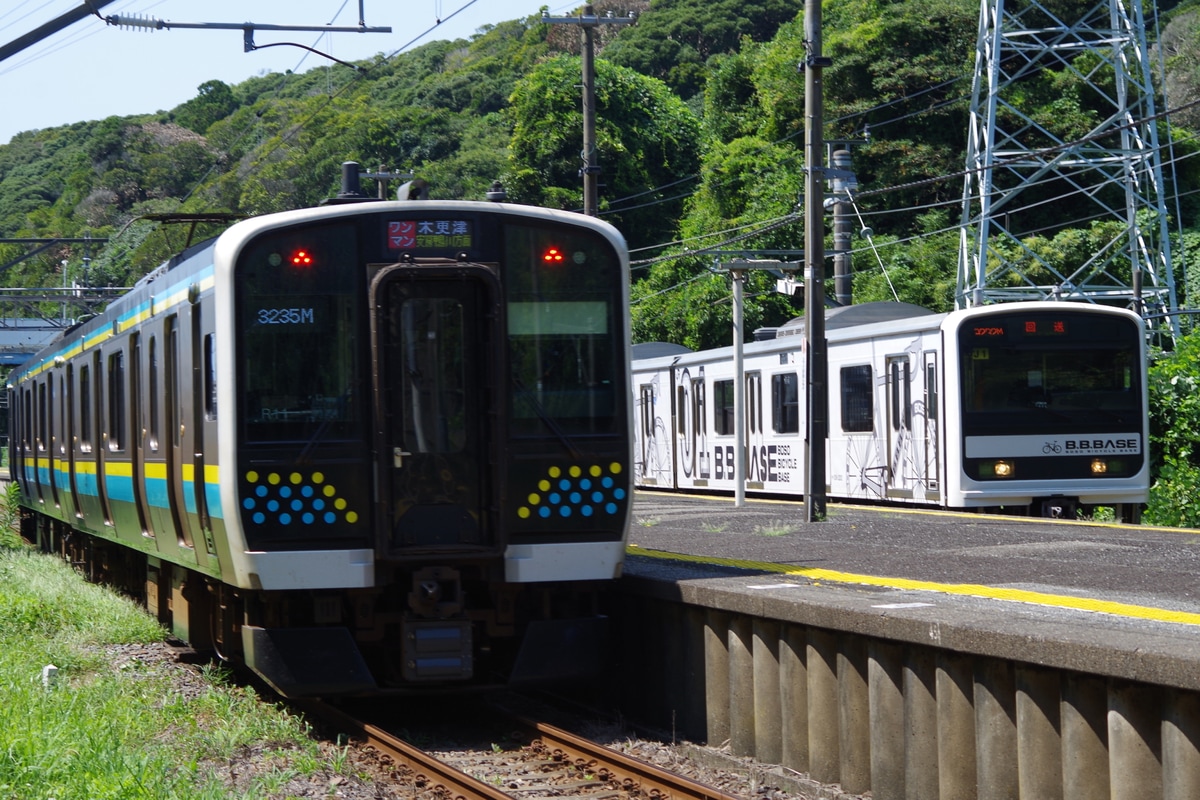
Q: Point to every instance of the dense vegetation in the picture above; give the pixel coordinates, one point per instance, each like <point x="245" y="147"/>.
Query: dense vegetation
<point x="700" y="110"/>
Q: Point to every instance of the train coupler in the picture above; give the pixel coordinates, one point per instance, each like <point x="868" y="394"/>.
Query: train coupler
<point x="1059" y="507"/>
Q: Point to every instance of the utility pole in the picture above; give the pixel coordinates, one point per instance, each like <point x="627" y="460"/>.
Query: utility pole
<point x="817" y="361"/>
<point x="590" y="170"/>
<point x="737" y="271"/>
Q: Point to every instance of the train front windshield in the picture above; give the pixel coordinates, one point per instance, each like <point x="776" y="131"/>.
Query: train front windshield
<point x="562" y="318"/>
<point x="1050" y="374"/>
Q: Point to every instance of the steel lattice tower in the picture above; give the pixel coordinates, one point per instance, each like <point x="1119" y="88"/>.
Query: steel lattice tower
<point x="1092" y="162"/>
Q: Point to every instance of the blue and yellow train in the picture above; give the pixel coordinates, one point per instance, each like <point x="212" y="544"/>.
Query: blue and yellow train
<point x="359" y="448"/>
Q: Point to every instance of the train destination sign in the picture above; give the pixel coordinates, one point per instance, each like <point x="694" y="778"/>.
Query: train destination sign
<point x="429" y="234"/>
<point x="1028" y="327"/>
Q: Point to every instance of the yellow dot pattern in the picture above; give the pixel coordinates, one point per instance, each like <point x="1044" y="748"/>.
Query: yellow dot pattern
<point x="576" y="490"/>
<point x="293" y="498"/>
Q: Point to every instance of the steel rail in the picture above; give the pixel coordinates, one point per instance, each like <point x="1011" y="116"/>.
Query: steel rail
<point x="634" y="774"/>
<point x="651" y="780"/>
<point x="461" y="786"/>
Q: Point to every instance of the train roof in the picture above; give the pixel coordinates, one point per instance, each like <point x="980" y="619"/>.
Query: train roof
<point x="860" y="314"/>
<point x="658" y="350"/>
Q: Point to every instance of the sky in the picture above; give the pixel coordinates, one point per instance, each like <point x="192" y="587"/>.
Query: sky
<point x="90" y="70"/>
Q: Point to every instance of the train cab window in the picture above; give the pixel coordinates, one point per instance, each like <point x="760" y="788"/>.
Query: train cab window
<point x="858" y="407"/>
<point x="433" y="373"/>
<point x="563" y="306"/>
<point x="723" y="408"/>
<point x="85" y="409"/>
<point x="116" y="401"/>
<point x="785" y="403"/>
<point x="300" y="362"/>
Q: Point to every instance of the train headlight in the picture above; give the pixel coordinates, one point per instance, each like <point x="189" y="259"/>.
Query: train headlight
<point x="1004" y="469"/>
<point x="1099" y="466"/>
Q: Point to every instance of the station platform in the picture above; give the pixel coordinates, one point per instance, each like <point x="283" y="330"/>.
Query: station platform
<point x="1113" y="600"/>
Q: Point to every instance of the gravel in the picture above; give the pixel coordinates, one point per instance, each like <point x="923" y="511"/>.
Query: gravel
<point x="362" y="774"/>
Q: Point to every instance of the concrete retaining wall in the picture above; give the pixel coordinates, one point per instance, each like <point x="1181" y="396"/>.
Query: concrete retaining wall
<point x="911" y="707"/>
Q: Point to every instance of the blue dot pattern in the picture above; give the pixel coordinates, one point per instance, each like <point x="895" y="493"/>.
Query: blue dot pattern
<point x="294" y="499"/>
<point x="583" y="490"/>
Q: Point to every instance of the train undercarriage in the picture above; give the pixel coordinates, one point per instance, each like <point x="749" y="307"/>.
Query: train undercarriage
<point x="427" y="627"/>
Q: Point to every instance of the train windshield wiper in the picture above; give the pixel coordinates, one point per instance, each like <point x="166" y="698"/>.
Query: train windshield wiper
<point x="528" y="397"/>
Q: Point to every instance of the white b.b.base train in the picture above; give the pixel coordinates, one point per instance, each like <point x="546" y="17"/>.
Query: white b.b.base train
<point x="1031" y="408"/>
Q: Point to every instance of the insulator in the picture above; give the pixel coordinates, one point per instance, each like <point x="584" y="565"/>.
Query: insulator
<point x="135" y="21"/>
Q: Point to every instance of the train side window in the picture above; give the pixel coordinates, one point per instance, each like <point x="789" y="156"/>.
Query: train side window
<point x="680" y="426"/>
<point x="785" y="403"/>
<point x="27" y="420"/>
<point x="931" y="389"/>
<point x="901" y="380"/>
<point x="116" y="401"/>
<point x="754" y="402"/>
<point x="153" y="386"/>
<point x="41" y="417"/>
<point x="723" y="408"/>
<point x="698" y="405"/>
<point x="647" y="408"/>
<point x="85" y="409"/>
<point x="858" y="408"/>
<point x="210" y="376"/>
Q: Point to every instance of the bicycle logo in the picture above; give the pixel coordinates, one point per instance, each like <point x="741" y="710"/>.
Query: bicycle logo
<point x="1052" y="447"/>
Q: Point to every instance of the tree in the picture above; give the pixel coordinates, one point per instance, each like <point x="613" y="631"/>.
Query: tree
<point x="646" y="138"/>
<point x="1174" y="447"/>
<point x="674" y="40"/>
<point x="213" y="101"/>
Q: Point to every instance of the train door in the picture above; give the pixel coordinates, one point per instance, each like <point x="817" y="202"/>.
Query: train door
<point x="72" y="440"/>
<point x="158" y="501"/>
<point x="689" y="426"/>
<point x="436" y="382"/>
<point x="41" y="439"/>
<point x="756" y="451"/>
<point x="697" y="460"/>
<point x="932" y="415"/>
<point x="62" y="449"/>
<point x="174" y="421"/>
<point x="87" y="469"/>
<point x="899" y="425"/>
<point x="137" y="454"/>
<point x="105" y="433"/>
<point x="52" y="432"/>
<point x="645" y="435"/>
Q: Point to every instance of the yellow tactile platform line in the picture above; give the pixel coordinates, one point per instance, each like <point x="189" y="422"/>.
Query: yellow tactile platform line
<point x="966" y="589"/>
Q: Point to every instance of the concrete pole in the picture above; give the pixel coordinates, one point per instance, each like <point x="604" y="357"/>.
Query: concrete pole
<point x="814" y="269"/>
<point x="591" y="170"/>
<point x="739" y="395"/>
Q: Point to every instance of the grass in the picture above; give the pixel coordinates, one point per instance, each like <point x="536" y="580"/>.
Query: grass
<point x="102" y="732"/>
<point x="774" y="528"/>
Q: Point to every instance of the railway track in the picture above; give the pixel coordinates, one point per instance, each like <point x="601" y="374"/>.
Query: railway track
<point x="550" y="762"/>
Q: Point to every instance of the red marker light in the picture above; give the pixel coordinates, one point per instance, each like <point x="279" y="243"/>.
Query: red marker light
<point x="553" y="256"/>
<point x="302" y="258"/>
